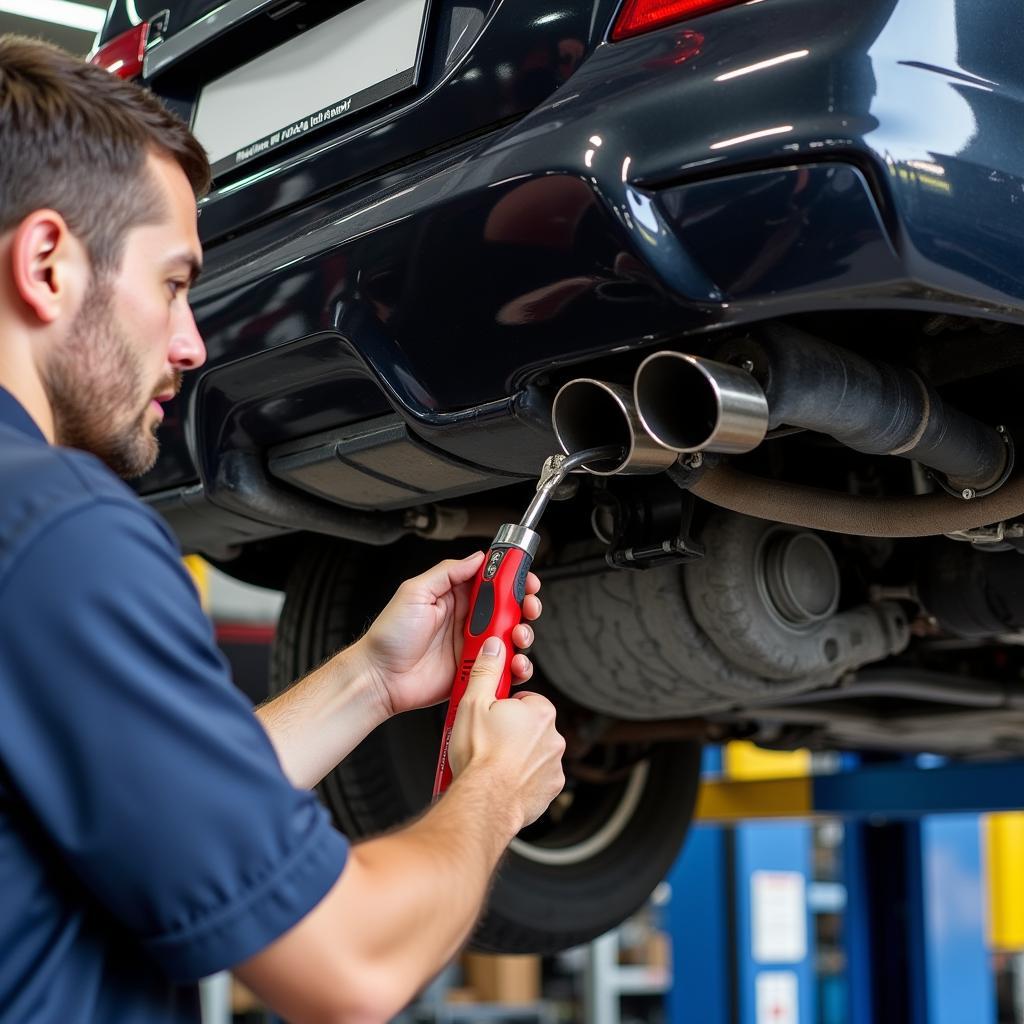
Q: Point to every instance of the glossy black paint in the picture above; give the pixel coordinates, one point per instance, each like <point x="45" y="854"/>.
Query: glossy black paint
<point x="119" y="15"/>
<point x="675" y="183"/>
<point x="484" y="63"/>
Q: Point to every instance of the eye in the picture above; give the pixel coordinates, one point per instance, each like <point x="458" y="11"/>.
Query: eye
<point x="175" y="287"/>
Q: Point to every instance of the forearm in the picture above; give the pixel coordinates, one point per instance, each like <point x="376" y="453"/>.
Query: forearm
<point x="401" y="909"/>
<point x="427" y="883"/>
<point x="323" y="717"/>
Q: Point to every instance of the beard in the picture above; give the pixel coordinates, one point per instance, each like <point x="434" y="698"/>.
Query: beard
<point x="95" y="385"/>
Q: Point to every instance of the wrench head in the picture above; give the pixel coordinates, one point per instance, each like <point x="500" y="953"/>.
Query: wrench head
<point x="551" y="472"/>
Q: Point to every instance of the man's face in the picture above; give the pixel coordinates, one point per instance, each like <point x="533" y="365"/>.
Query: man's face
<point x="131" y="339"/>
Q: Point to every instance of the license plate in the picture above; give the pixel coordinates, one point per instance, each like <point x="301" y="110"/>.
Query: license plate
<point x="359" y="57"/>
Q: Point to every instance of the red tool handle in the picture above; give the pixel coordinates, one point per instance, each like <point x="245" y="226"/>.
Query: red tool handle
<point x="495" y="609"/>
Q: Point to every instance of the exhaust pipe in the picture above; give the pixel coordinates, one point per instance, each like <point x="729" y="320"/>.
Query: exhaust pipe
<point x="690" y="404"/>
<point x="589" y="413"/>
<point x="873" y="407"/>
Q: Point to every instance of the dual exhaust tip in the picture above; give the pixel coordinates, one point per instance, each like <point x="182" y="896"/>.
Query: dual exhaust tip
<point x="679" y="404"/>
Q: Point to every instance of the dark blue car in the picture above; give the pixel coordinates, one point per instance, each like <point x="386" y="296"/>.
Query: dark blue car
<point x="772" y="250"/>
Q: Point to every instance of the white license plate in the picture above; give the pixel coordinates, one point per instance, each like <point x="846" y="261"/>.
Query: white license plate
<point x="359" y="57"/>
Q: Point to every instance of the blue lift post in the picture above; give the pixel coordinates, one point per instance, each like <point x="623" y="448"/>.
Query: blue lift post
<point x="959" y="983"/>
<point x="742" y="939"/>
<point x="700" y="921"/>
<point x="701" y="926"/>
<point x="914" y="924"/>
<point x="775" y="954"/>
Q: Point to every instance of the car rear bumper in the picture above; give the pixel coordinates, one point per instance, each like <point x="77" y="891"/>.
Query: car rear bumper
<point x="773" y="158"/>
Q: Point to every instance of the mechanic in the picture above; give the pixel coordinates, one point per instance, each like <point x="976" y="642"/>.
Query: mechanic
<point x="152" y="829"/>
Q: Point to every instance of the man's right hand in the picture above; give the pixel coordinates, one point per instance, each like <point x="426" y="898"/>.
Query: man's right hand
<point x="514" y="740"/>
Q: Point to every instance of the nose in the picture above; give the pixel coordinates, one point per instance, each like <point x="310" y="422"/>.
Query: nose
<point x="187" y="351"/>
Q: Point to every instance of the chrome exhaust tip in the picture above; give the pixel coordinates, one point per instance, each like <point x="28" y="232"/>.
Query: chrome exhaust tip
<point x="588" y="413"/>
<point x="689" y="404"/>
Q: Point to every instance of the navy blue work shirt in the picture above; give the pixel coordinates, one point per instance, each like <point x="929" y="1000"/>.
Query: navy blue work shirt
<point x="148" y="835"/>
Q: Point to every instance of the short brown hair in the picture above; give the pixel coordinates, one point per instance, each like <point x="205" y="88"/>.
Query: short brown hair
<point x="74" y="138"/>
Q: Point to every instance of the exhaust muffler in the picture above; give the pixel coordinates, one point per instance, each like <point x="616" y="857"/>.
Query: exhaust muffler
<point x="690" y="404"/>
<point x="589" y="413"/>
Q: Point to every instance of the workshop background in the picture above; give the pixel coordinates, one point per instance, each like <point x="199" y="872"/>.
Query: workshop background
<point x="845" y="917"/>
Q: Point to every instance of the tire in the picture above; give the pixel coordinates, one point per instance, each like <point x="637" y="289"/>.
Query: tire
<point x="565" y="879"/>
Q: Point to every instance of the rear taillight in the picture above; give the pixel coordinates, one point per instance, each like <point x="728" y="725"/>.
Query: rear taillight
<point x="639" y="16"/>
<point x="123" y="55"/>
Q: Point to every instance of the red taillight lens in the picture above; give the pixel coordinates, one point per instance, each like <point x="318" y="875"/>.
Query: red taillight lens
<point x="639" y="16"/>
<point x="123" y="55"/>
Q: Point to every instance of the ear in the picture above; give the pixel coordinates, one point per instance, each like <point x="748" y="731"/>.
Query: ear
<point x="49" y="265"/>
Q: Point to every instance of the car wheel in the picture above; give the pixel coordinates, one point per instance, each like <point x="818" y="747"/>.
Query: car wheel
<point x="588" y="863"/>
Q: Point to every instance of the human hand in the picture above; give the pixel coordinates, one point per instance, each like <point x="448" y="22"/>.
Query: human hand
<point x="515" y="739"/>
<point x="413" y="648"/>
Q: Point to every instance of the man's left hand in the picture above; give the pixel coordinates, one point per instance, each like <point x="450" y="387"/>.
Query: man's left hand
<point x="413" y="648"/>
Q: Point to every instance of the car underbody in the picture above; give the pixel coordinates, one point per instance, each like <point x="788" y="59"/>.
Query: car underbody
<point x="802" y="593"/>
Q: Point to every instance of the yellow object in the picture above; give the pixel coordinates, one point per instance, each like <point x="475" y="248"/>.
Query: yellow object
<point x="728" y="802"/>
<point x="756" y="784"/>
<point x="1005" y="854"/>
<point x="199" y="570"/>
<point x="745" y="761"/>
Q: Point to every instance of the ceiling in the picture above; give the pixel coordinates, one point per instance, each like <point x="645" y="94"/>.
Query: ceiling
<point x="76" y="40"/>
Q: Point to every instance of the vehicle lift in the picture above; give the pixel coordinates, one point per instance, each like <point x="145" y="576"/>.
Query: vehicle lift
<point x="919" y="922"/>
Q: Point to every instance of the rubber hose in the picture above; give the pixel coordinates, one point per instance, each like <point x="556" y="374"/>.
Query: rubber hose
<point x="817" y="509"/>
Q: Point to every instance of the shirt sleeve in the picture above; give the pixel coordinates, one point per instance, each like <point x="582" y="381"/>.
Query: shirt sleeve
<point x="133" y="751"/>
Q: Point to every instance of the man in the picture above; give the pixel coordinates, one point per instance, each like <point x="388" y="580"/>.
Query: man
<point x="148" y="833"/>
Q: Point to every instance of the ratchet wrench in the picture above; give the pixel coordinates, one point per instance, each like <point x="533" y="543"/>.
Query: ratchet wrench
<point x="496" y="601"/>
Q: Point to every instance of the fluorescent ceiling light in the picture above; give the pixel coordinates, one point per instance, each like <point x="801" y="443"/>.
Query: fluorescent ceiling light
<point x="57" y="12"/>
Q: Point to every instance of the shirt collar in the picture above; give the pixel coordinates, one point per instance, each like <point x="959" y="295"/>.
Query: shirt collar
<point x="13" y="414"/>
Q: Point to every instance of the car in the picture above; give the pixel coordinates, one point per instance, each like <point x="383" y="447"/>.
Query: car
<point x="772" y="251"/>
